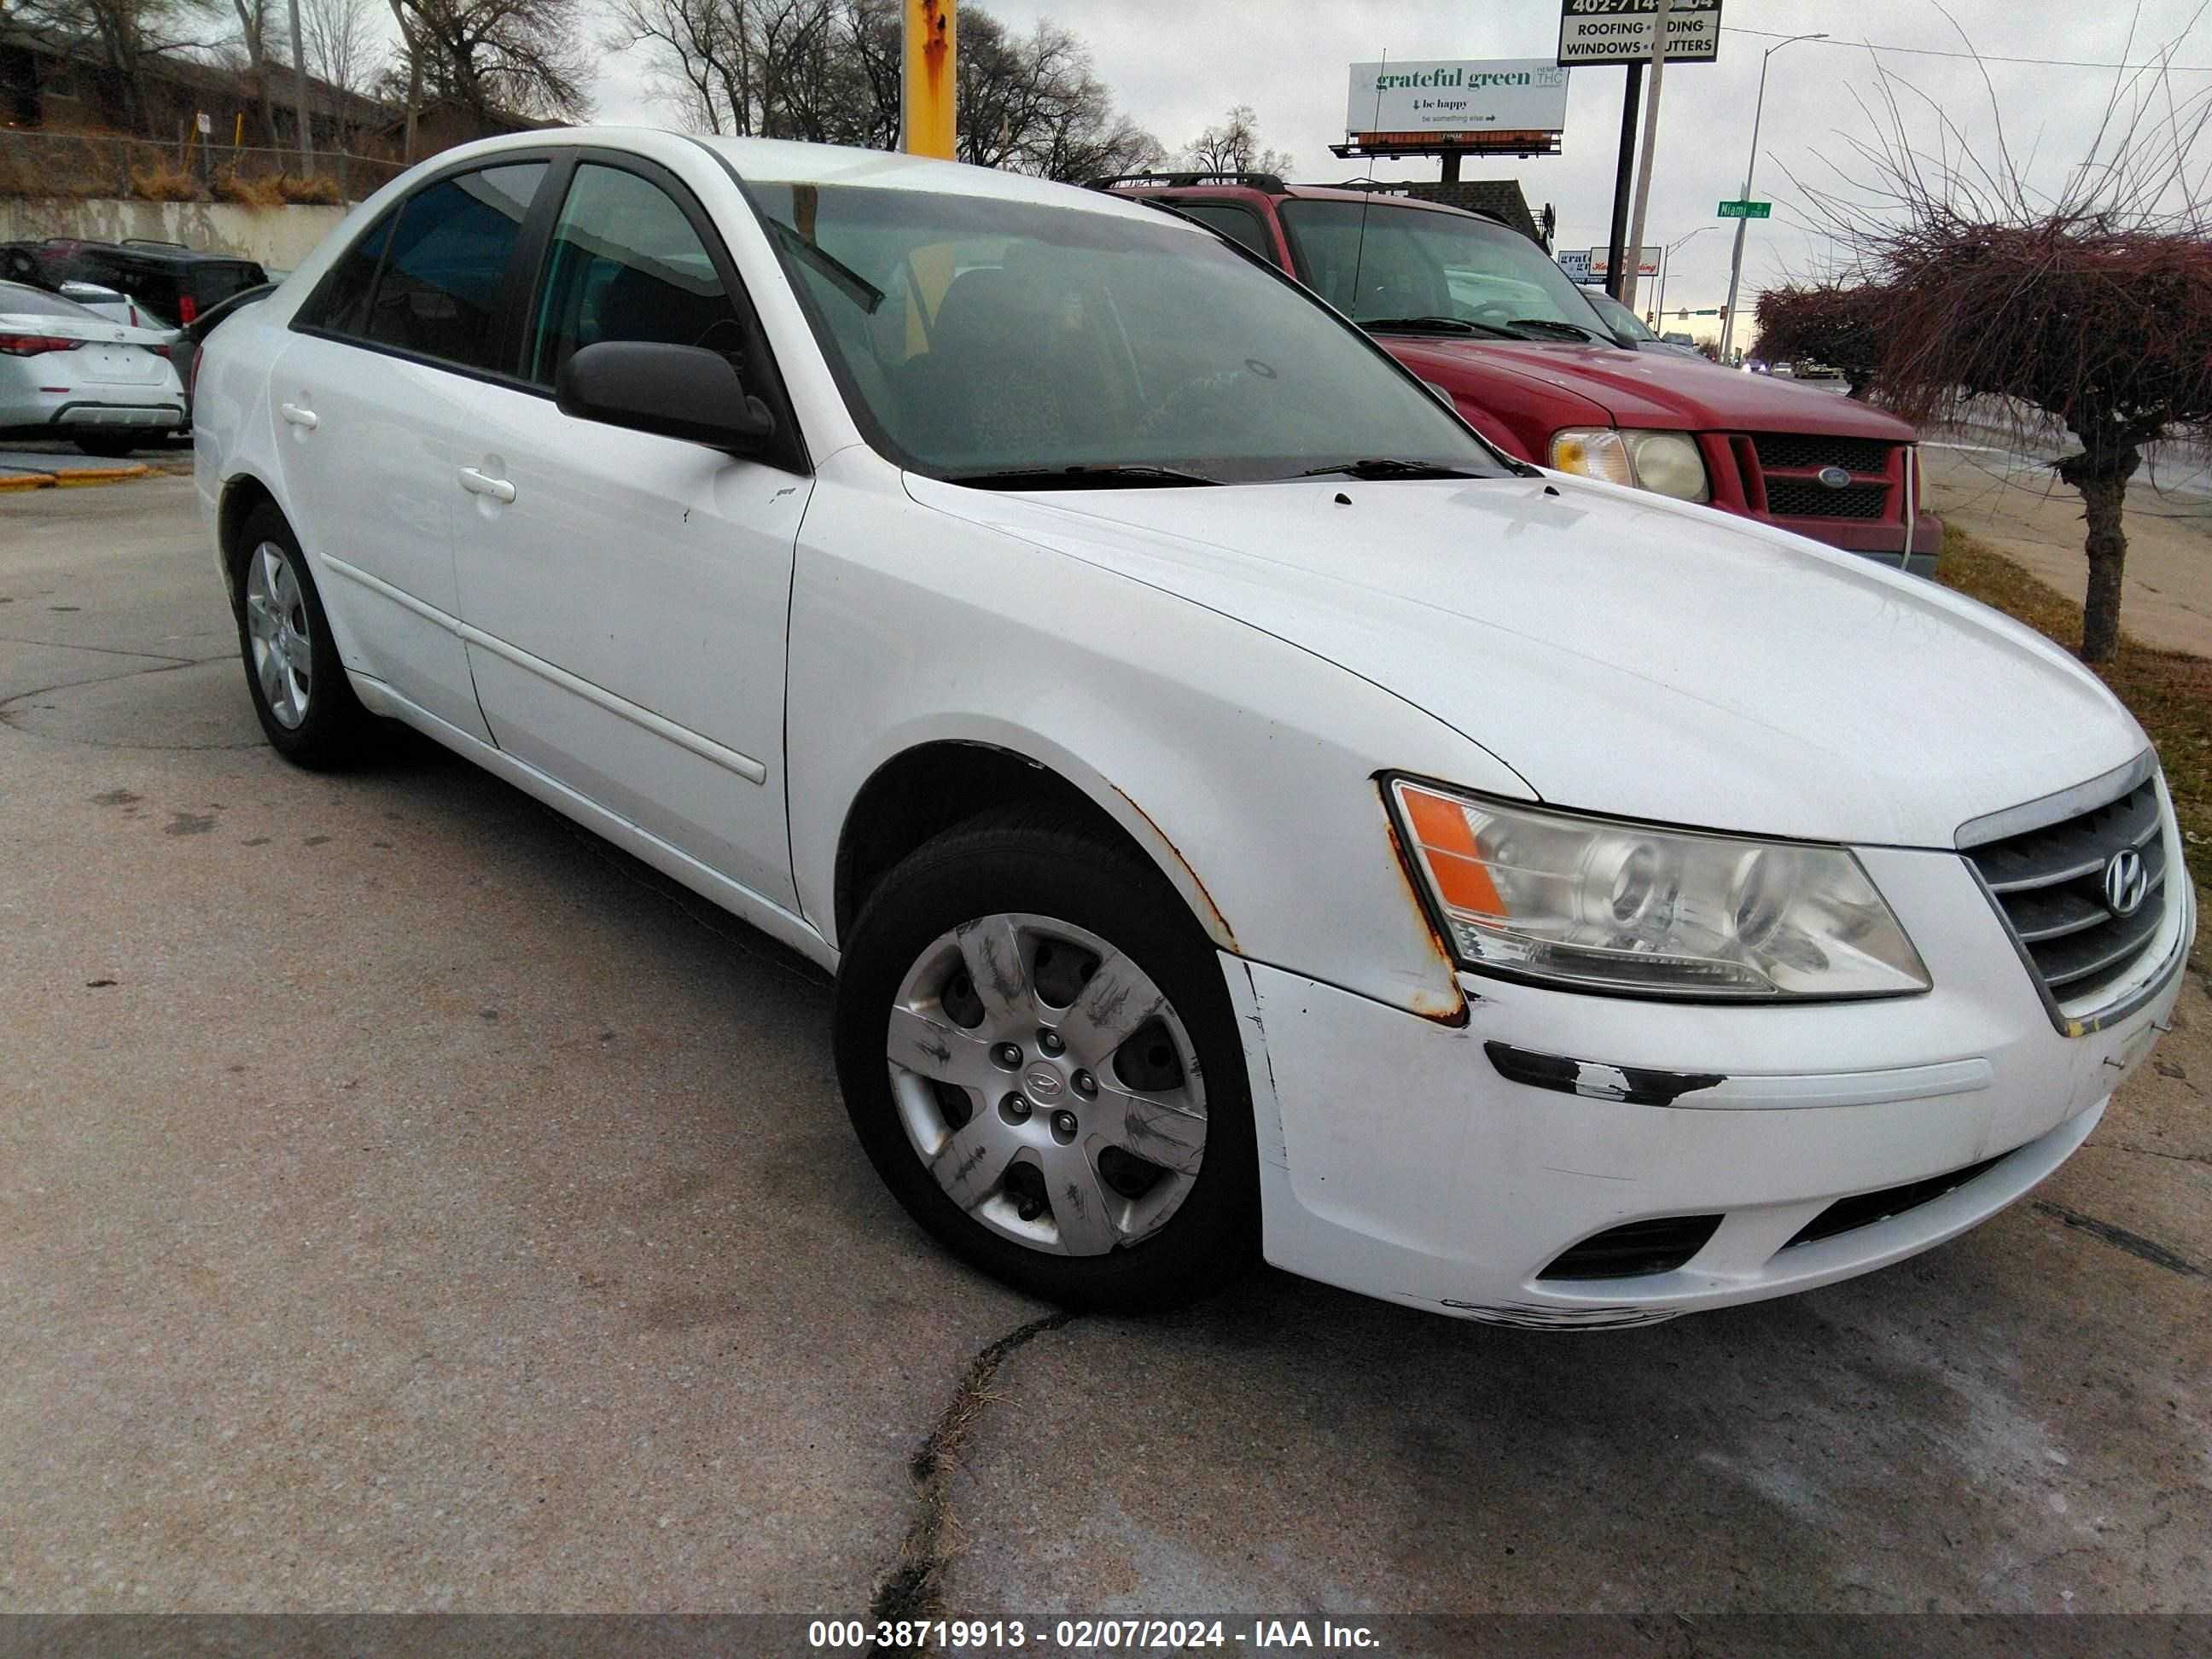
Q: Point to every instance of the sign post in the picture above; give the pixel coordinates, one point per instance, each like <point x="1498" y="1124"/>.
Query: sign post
<point x="929" y="82"/>
<point x="1625" y="32"/>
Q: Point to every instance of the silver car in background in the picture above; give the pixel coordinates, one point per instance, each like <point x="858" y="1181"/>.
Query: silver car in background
<point x="68" y="371"/>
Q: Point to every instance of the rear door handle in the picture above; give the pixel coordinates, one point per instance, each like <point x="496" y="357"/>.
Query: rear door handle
<point x="478" y="483"/>
<point x="298" y="416"/>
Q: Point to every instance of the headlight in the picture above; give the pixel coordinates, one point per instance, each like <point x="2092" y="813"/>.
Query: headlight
<point x="1593" y="905"/>
<point x="1667" y="462"/>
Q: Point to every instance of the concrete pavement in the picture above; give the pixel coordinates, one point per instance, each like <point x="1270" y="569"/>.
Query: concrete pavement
<point x="407" y="1201"/>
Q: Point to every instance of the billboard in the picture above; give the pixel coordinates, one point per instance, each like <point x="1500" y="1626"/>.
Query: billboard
<point x="1601" y="264"/>
<point x="1576" y="262"/>
<point x="1620" y="31"/>
<point x="1440" y="100"/>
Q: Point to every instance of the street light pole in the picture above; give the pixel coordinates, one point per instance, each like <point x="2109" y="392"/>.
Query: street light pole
<point x="1751" y="164"/>
<point x="1666" y="266"/>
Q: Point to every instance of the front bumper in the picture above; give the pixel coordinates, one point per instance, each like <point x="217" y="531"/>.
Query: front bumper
<point x="1400" y="1159"/>
<point x="1883" y="543"/>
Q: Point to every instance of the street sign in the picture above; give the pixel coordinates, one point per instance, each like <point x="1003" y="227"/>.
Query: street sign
<point x="1601" y="264"/>
<point x="1747" y="209"/>
<point x="1620" y="31"/>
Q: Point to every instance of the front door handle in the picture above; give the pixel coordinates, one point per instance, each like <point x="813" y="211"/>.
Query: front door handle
<point x="478" y="483"/>
<point x="298" y="416"/>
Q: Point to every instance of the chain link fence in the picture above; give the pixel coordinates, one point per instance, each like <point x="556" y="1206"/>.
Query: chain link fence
<point x="192" y="169"/>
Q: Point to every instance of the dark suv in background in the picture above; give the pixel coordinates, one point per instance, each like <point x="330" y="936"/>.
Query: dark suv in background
<point x="1483" y="314"/>
<point x="168" y="279"/>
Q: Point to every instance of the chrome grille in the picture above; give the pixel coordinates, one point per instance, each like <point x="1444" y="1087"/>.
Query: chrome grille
<point x="2050" y="883"/>
<point x="1813" y="450"/>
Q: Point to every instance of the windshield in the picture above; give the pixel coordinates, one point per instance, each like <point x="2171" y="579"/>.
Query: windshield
<point x="1622" y="319"/>
<point x="1379" y="262"/>
<point x="975" y="336"/>
<point x="36" y="302"/>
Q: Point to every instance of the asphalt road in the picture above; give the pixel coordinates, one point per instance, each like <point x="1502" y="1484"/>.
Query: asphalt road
<point x="408" y="1202"/>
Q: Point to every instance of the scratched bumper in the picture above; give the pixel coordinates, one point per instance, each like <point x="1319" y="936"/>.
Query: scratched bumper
<point x="1449" y="1167"/>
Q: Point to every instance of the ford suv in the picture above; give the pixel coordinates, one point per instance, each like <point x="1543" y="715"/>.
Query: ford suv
<point x="1475" y="308"/>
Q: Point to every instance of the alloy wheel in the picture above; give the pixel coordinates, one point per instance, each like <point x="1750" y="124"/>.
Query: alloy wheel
<point x="281" y="636"/>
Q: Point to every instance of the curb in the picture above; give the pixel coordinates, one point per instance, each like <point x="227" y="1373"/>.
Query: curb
<point x="98" y="475"/>
<point x="11" y="482"/>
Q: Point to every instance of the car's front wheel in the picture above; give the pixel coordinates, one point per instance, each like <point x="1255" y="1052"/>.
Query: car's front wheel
<point x="1039" y="1055"/>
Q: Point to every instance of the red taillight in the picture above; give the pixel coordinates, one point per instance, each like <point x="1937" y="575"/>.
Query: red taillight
<point x="187" y="309"/>
<point x="33" y="345"/>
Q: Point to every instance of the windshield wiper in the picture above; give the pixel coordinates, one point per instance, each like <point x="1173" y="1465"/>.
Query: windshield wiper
<point x="1389" y="466"/>
<point x="862" y="292"/>
<point x="1568" y="330"/>
<point x="1434" y="326"/>
<point x="1098" y="477"/>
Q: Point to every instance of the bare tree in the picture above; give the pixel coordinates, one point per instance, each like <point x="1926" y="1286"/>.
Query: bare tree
<point x="527" y="58"/>
<point x="1233" y="146"/>
<point x="252" y="22"/>
<point x="2087" y="311"/>
<point x="829" y="71"/>
<point x="344" y="53"/>
<point x="124" y="35"/>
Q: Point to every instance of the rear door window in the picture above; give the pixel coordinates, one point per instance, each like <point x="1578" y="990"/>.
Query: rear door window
<point x="1239" y="223"/>
<point x="446" y="264"/>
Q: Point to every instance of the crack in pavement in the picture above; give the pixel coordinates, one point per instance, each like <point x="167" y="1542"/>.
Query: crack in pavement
<point x="162" y="665"/>
<point x="103" y="650"/>
<point x="913" y="1589"/>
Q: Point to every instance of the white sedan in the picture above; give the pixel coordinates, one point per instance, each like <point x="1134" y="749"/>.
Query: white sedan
<point x="1247" y="817"/>
<point x="67" y="371"/>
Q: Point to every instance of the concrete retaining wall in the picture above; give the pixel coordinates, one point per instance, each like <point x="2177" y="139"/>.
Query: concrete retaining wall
<point x="278" y="237"/>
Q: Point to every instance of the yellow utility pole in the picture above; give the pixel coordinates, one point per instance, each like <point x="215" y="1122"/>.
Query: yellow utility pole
<point x="929" y="82"/>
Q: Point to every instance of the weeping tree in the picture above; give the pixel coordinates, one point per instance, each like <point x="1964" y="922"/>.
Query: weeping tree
<point x="2085" y="310"/>
<point x="1833" y="323"/>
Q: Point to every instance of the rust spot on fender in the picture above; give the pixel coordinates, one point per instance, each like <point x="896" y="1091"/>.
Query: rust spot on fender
<point x="1445" y="1010"/>
<point x="1220" y="927"/>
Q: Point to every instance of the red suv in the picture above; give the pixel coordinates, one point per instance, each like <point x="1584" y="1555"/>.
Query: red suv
<point x="1477" y="310"/>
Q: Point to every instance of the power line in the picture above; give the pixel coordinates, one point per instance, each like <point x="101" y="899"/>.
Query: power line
<point x="1983" y="57"/>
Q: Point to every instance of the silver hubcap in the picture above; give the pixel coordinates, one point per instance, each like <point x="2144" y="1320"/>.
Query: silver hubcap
<point x="1049" y="1086"/>
<point x="276" y="623"/>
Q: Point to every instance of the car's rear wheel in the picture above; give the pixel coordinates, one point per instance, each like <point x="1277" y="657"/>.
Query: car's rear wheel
<point x="1039" y="1055"/>
<point x="300" y="693"/>
<point x="112" y="445"/>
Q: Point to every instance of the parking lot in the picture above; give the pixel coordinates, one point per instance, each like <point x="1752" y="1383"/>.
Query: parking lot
<point x="410" y="1202"/>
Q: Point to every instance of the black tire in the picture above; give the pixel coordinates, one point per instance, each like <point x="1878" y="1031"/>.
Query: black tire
<point x="113" y="446"/>
<point x="1029" y="861"/>
<point x="334" y="731"/>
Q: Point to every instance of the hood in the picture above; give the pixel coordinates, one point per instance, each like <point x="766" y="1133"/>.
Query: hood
<point x="1647" y="388"/>
<point x="1623" y="653"/>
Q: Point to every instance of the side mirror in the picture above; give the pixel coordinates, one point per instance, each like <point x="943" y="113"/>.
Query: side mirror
<point x="676" y="392"/>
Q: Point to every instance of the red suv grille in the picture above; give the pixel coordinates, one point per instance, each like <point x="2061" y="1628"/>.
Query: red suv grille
<point x="1785" y="479"/>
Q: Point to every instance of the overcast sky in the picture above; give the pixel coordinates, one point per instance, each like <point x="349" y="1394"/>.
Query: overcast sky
<point x="1177" y="64"/>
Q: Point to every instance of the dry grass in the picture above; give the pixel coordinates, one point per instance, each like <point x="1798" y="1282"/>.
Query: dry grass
<point x="232" y="185"/>
<point x="2170" y="692"/>
<point x="318" y="188"/>
<point x="163" y="183"/>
